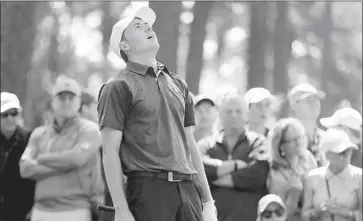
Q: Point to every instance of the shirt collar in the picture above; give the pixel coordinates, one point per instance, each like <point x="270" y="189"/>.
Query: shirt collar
<point x="220" y="137"/>
<point x="66" y="124"/>
<point x="343" y="175"/>
<point x="142" y="69"/>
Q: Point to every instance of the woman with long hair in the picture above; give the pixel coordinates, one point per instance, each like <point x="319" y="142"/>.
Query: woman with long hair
<point x="290" y="162"/>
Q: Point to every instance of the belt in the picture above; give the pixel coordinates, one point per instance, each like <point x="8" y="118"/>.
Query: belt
<point x="169" y="176"/>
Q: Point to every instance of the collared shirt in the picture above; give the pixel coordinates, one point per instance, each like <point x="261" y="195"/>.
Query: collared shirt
<point x="78" y="141"/>
<point x="249" y="183"/>
<point x="345" y="188"/>
<point x="151" y="110"/>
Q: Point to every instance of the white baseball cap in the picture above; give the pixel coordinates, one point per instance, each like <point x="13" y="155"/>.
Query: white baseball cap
<point x="336" y="141"/>
<point x="9" y="101"/>
<point x="144" y="13"/>
<point x="266" y="200"/>
<point x="198" y="99"/>
<point x="66" y="84"/>
<point x="258" y="94"/>
<point x="347" y="117"/>
<point x="302" y="91"/>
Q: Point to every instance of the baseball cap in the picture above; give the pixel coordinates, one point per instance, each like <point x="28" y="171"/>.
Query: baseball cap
<point x="144" y="13"/>
<point x="266" y="200"/>
<point x="258" y="94"/>
<point x="198" y="99"/>
<point x="336" y="141"/>
<point x="66" y="84"/>
<point x="302" y="91"/>
<point x="9" y="101"/>
<point x="347" y="117"/>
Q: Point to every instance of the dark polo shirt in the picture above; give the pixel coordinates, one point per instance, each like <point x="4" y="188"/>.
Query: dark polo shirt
<point x="152" y="113"/>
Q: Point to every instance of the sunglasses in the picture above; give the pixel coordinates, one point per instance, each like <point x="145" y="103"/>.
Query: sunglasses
<point x="268" y="213"/>
<point x="5" y="115"/>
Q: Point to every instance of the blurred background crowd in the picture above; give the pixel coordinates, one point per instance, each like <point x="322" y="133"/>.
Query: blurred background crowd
<point x="284" y="76"/>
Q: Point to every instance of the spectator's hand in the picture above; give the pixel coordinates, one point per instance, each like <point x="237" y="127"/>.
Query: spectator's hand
<point x="241" y="164"/>
<point x="260" y="153"/>
<point x="327" y="207"/>
<point x="209" y="211"/>
<point x="336" y="209"/>
<point x="296" y="183"/>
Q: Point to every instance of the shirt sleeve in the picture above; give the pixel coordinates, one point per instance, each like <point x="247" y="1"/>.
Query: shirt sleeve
<point x="252" y="177"/>
<point x="210" y="164"/>
<point x="189" y="119"/>
<point x="114" y="101"/>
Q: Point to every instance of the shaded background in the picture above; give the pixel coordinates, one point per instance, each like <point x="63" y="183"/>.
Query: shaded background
<point x="215" y="46"/>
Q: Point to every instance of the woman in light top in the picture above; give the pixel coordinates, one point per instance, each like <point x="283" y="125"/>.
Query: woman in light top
<point x="334" y="192"/>
<point x="290" y="163"/>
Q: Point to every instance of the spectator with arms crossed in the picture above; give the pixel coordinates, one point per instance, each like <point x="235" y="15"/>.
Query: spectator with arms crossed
<point x="238" y="179"/>
<point x="61" y="157"/>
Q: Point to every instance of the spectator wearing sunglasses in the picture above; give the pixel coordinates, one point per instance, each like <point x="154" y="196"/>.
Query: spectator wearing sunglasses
<point x="290" y="163"/>
<point x="271" y="208"/>
<point x="350" y="121"/>
<point x="16" y="194"/>
<point x="334" y="192"/>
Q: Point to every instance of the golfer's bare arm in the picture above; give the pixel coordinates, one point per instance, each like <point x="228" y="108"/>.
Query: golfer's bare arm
<point x="111" y="140"/>
<point x="201" y="177"/>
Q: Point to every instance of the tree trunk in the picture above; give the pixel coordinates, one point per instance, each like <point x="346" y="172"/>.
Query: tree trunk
<point x="257" y="44"/>
<point x="282" y="52"/>
<point x="166" y="28"/>
<point x="54" y="55"/>
<point x="106" y="27"/>
<point x="197" y="35"/>
<point x="328" y="67"/>
<point x="18" y="30"/>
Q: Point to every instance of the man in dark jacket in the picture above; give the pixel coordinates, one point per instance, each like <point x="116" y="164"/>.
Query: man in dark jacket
<point x="16" y="193"/>
<point x="235" y="169"/>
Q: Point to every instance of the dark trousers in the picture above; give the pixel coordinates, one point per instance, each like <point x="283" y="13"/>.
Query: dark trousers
<point x="153" y="199"/>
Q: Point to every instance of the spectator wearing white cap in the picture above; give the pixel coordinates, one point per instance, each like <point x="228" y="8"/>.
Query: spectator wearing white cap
<point x="259" y="101"/>
<point x="206" y="116"/>
<point x="146" y="116"/>
<point x="16" y="193"/>
<point x="334" y="191"/>
<point x="271" y="208"/>
<point x="62" y="157"/>
<point x="305" y="103"/>
<point x="349" y="120"/>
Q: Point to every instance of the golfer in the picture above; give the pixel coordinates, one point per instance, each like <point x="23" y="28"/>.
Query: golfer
<point x="146" y="117"/>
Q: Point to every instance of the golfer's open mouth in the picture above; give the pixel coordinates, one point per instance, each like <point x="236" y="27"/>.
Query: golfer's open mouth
<point x="150" y="37"/>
